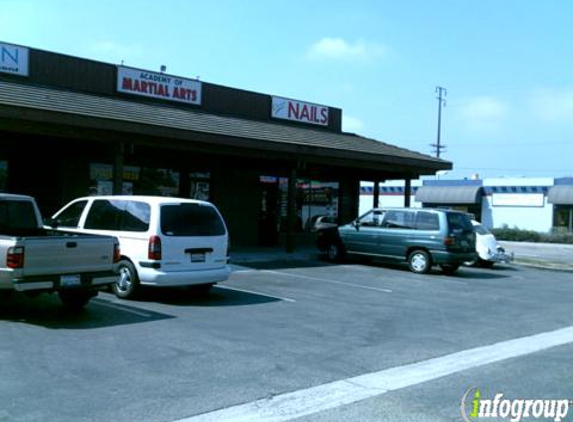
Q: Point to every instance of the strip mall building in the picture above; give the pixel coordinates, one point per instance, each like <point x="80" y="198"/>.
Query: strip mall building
<point x="72" y="127"/>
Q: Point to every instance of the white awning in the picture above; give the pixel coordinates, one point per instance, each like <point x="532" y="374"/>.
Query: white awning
<point x="449" y="195"/>
<point x="560" y="195"/>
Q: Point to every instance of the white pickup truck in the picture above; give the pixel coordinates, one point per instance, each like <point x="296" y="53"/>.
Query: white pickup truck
<point x="34" y="259"/>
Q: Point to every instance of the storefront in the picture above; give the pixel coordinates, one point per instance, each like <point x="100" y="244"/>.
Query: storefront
<point x="561" y="196"/>
<point x="74" y="127"/>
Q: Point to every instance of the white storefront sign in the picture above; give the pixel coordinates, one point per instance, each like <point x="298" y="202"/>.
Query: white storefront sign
<point x="13" y="59"/>
<point x="158" y="85"/>
<point x="284" y="108"/>
<point x="518" y="200"/>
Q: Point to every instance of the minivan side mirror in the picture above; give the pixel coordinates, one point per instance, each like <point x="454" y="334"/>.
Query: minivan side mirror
<point x="356" y="225"/>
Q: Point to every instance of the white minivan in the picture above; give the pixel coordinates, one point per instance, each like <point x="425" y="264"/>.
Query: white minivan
<point x="164" y="241"/>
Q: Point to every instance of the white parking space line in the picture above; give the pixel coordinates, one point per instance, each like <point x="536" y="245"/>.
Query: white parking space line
<point x="326" y="280"/>
<point x="288" y="406"/>
<point x="416" y="278"/>
<point x="120" y="308"/>
<point x="240" y="269"/>
<point x="286" y="299"/>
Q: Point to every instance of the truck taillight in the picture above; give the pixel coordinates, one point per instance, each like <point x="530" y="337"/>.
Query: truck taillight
<point x="15" y="257"/>
<point x="449" y="241"/>
<point x="116" y="251"/>
<point x="154" y="250"/>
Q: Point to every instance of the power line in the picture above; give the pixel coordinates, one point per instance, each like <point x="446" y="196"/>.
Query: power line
<point x="438" y="146"/>
<point x="513" y="145"/>
<point x="513" y="169"/>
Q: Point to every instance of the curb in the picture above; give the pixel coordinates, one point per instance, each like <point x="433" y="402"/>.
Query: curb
<point x="546" y="267"/>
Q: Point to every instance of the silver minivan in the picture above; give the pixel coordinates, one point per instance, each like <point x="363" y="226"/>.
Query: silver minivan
<point x="421" y="237"/>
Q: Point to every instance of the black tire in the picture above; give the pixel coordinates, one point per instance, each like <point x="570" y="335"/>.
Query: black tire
<point x="485" y="264"/>
<point x="201" y="289"/>
<point x="5" y="295"/>
<point x="449" y="269"/>
<point x="128" y="283"/>
<point x="419" y="262"/>
<point x="75" y="299"/>
<point x="335" y="252"/>
<point x="473" y="263"/>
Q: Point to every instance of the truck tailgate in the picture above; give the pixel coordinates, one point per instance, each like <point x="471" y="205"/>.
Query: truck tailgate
<point x="67" y="254"/>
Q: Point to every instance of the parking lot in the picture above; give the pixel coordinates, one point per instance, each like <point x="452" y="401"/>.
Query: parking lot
<point x="288" y="340"/>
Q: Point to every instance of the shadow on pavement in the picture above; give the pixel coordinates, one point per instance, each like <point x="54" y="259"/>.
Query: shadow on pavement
<point x="286" y="264"/>
<point x="501" y="268"/>
<point x="47" y="311"/>
<point x="477" y="274"/>
<point x="218" y="296"/>
<point x="106" y="311"/>
<point x="462" y="272"/>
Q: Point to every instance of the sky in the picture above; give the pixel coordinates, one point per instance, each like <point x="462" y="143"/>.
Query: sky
<point x="507" y="65"/>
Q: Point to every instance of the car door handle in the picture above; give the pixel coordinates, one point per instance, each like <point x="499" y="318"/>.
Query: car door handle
<point x="71" y="244"/>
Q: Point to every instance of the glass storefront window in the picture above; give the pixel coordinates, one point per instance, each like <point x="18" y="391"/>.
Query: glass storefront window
<point x="315" y="199"/>
<point x="199" y="185"/>
<point x="136" y="180"/>
<point x="563" y="218"/>
<point x="162" y="182"/>
<point x="101" y="179"/>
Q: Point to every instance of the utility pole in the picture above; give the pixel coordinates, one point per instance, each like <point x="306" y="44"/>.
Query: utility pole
<point x="438" y="146"/>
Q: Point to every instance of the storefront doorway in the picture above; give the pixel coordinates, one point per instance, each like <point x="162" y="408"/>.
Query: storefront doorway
<point x="270" y="214"/>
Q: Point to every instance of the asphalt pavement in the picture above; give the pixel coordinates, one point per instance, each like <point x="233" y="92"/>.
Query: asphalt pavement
<point x="292" y="338"/>
<point x="538" y="255"/>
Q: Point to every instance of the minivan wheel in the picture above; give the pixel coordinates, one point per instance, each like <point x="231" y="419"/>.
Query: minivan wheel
<point x="128" y="282"/>
<point x="485" y="264"/>
<point x="419" y="262"/>
<point x="334" y="253"/>
<point x="473" y="263"/>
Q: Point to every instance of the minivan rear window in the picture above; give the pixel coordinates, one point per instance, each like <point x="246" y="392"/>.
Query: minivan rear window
<point x="459" y="222"/>
<point x="191" y="220"/>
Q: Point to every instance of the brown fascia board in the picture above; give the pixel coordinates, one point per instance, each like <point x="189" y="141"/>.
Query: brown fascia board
<point x="315" y="154"/>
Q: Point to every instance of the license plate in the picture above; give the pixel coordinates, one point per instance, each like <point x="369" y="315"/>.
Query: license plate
<point x="197" y="257"/>
<point x="74" y="280"/>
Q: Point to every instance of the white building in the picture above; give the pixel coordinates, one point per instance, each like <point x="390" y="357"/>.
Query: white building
<point x="539" y="204"/>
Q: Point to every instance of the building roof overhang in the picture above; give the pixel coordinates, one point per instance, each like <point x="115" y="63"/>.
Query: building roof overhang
<point x="52" y="106"/>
